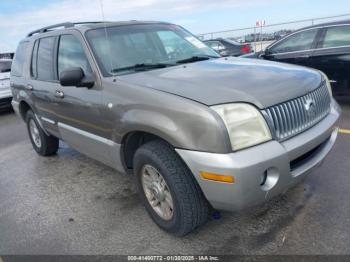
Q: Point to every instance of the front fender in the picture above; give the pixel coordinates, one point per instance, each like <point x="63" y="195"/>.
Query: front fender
<point x="197" y="130"/>
<point x="183" y="123"/>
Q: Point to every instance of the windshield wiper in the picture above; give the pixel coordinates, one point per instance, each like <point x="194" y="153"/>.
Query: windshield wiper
<point x="194" y="59"/>
<point x="141" y="67"/>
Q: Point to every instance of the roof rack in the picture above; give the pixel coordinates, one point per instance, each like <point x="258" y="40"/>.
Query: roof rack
<point x="64" y="25"/>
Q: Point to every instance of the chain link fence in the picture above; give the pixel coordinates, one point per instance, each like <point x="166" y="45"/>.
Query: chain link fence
<point x="262" y="36"/>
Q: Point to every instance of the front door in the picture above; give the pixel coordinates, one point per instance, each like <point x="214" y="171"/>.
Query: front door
<point x="332" y="56"/>
<point x="78" y="109"/>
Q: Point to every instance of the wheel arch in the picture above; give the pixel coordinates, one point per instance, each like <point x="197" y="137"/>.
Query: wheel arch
<point x="132" y="141"/>
<point x="24" y="107"/>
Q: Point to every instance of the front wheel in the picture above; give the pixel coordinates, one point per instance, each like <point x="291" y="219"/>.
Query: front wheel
<point x="43" y="144"/>
<point x="168" y="189"/>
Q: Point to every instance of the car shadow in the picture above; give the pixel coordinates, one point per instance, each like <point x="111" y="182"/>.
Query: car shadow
<point x="7" y="111"/>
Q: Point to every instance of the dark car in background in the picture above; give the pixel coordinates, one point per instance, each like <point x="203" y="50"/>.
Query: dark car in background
<point x="281" y="33"/>
<point x="228" y="47"/>
<point x="324" y="46"/>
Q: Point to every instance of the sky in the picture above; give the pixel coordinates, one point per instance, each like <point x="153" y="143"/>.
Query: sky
<point x="18" y="17"/>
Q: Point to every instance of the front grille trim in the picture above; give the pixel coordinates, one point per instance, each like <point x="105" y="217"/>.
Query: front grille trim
<point x="291" y="118"/>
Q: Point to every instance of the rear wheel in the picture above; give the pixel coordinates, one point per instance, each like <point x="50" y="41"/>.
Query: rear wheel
<point x="43" y="144"/>
<point x="168" y="189"/>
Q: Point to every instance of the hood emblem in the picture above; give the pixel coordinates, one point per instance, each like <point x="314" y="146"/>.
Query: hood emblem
<point x="310" y="107"/>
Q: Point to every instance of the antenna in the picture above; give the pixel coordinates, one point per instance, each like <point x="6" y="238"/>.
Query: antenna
<point x="106" y="35"/>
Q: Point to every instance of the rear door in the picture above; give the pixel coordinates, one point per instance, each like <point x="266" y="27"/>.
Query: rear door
<point x="43" y="81"/>
<point x="296" y="49"/>
<point x="332" y="56"/>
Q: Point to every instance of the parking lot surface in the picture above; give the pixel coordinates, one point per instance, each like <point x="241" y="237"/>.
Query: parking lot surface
<point x="70" y="204"/>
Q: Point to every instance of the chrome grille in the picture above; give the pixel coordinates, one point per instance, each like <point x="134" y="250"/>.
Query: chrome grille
<point x="292" y="117"/>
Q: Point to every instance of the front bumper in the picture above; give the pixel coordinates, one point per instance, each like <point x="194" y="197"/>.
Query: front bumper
<point x="283" y="165"/>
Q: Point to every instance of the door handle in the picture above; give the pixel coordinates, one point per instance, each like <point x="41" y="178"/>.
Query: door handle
<point x="59" y="94"/>
<point x="29" y="87"/>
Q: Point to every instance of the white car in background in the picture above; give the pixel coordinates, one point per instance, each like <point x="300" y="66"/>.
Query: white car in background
<point x="5" y="90"/>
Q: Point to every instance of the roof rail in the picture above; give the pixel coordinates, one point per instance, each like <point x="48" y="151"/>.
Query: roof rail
<point x="64" y="25"/>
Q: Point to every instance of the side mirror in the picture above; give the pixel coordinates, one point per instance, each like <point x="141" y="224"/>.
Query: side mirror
<point x="266" y="52"/>
<point x="75" y="76"/>
<point x="262" y="54"/>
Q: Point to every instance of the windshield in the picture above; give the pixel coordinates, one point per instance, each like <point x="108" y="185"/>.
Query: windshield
<point x="126" y="49"/>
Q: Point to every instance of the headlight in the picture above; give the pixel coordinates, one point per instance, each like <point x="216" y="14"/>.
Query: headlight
<point x="327" y="83"/>
<point x="245" y="124"/>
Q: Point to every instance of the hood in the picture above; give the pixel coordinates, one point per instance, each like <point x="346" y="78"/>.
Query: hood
<point x="225" y="80"/>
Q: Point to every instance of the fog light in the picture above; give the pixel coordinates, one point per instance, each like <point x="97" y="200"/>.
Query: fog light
<point x="217" y="177"/>
<point x="269" y="179"/>
<point x="263" y="178"/>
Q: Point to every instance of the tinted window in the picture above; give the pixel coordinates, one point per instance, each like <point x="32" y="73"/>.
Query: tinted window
<point x="5" y="66"/>
<point x="71" y="54"/>
<point x="17" y="65"/>
<point x="337" y="36"/>
<point x="297" y="42"/>
<point x="45" y="63"/>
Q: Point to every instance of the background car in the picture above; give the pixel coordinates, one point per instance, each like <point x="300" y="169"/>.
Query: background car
<point x="324" y="46"/>
<point x="228" y="47"/>
<point x="5" y="90"/>
<point x="281" y="33"/>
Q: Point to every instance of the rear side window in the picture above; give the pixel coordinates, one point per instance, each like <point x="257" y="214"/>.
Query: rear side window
<point x="33" y="67"/>
<point x="297" y="42"/>
<point x="46" y="54"/>
<point x="337" y="36"/>
<point x="17" y="65"/>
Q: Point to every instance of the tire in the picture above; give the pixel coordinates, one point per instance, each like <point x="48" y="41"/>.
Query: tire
<point x="43" y="144"/>
<point x="190" y="208"/>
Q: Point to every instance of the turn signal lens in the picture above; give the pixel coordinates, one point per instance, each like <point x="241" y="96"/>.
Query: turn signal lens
<point x="217" y="177"/>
